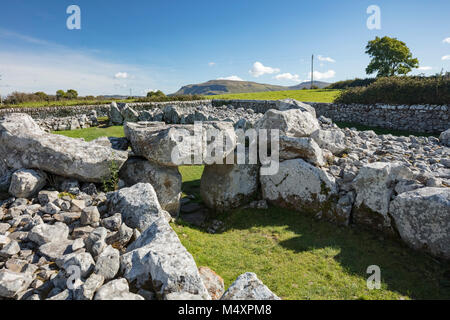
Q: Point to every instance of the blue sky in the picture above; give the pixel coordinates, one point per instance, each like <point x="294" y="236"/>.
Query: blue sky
<point x="148" y="45"/>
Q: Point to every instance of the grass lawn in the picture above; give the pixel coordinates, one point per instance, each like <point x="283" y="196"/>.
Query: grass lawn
<point x="298" y="257"/>
<point x="319" y="95"/>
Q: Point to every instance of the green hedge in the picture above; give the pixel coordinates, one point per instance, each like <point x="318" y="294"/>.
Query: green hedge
<point x="400" y="90"/>
<point x="345" y="84"/>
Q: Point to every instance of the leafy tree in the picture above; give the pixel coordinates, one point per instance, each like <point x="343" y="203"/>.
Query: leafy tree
<point x="60" y="94"/>
<point x="42" y="96"/>
<point x="390" y="57"/>
<point x="71" y="94"/>
<point x="155" y="94"/>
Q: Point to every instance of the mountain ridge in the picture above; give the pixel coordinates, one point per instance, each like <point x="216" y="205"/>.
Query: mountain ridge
<point x="215" y="87"/>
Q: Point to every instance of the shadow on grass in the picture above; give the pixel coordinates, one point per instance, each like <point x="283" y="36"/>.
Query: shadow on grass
<point x="403" y="270"/>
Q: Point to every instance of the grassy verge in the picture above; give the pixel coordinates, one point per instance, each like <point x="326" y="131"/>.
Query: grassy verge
<point x="319" y="95"/>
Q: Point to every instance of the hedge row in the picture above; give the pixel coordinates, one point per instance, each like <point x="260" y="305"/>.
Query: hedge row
<point x="345" y="84"/>
<point x="400" y="91"/>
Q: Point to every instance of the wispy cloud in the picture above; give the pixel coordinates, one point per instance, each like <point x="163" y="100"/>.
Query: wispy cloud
<point x="323" y="75"/>
<point x="259" y="69"/>
<point x="446" y="40"/>
<point x="211" y="64"/>
<point x="326" y="59"/>
<point x="121" y="75"/>
<point x="234" y="78"/>
<point x="288" y="76"/>
<point x="425" y="68"/>
<point x="447" y="57"/>
<point x="49" y="67"/>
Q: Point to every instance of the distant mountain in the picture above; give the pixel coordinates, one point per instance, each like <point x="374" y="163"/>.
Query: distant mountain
<point x="214" y="87"/>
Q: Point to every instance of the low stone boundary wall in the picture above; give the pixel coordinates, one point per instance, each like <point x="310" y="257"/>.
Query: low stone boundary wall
<point x="418" y="118"/>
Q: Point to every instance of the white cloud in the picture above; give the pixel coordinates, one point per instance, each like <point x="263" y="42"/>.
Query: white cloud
<point x="323" y="75"/>
<point x="446" y="40"/>
<point x="327" y="59"/>
<point x="234" y="78"/>
<point x="288" y="76"/>
<point x="259" y="69"/>
<point x="121" y="75"/>
<point x="211" y="64"/>
<point x="425" y="68"/>
<point x="447" y="57"/>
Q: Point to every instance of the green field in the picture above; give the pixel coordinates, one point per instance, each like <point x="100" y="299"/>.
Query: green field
<point x="299" y="257"/>
<point x="319" y="95"/>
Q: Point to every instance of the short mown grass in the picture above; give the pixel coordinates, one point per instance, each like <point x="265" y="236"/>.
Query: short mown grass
<point x="317" y="95"/>
<point x="298" y="257"/>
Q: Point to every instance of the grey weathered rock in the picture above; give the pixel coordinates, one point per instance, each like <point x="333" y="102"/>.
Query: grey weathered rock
<point x="288" y="104"/>
<point x="56" y="249"/>
<point x="129" y="115"/>
<point x="11" y="283"/>
<point x="303" y="148"/>
<point x="9" y="250"/>
<point x="24" y="145"/>
<point x="26" y="183"/>
<point x="90" y="216"/>
<point x="95" y="238"/>
<point x="213" y="282"/>
<point x="332" y="140"/>
<point x="5" y="182"/>
<point x="113" y="223"/>
<point x="173" y="145"/>
<point x="44" y="233"/>
<point x="116" y="290"/>
<point x="422" y="218"/>
<point x="158" y="256"/>
<point x="89" y="287"/>
<point x="300" y="186"/>
<point x="374" y="186"/>
<point x="108" y="263"/>
<point x="46" y="197"/>
<point x="248" y="287"/>
<point x="115" y="116"/>
<point x="445" y="138"/>
<point x="292" y="123"/>
<point x="165" y="180"/>
<point x="225" y="187"/>
<point x="82" y="260"/>
<point x="138" y="204"/>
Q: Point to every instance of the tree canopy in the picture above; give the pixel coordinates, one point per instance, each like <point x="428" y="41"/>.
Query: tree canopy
<point x="390" y="57"/>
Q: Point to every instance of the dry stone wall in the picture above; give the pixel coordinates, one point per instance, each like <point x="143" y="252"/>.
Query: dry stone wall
<point x="417" y="118"/>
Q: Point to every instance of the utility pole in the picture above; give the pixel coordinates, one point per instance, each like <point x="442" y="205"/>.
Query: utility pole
<point x="312" y="71"/>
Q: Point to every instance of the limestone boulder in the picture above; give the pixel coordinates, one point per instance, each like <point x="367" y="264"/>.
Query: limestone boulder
<point x="138" y="205"/>
<point x="173" y="145"/>
<point x="24" y="145"/>
<point x="300" y="186"/>
<point x="374" y="186"/>
<point x="248" y="287"/>
<point x="129" y="115"/>
<point x="288" y="104"/>
<point x="228" y="186"/>
<point x="212" y="281"/>
<point x="422" y="218"/>
<point x="445" y="138"/>
<point x="332" y="140"/>
<point x="115" y="116"/>
<point x="292" y="122"/>
<point x="12" y="283"/>
<point x="303" y="148"/>
<point x="158" y="258"/>
<point x="26" y="183"/>
<point x="116" y="290"/>
<point x="165" y="180"/>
